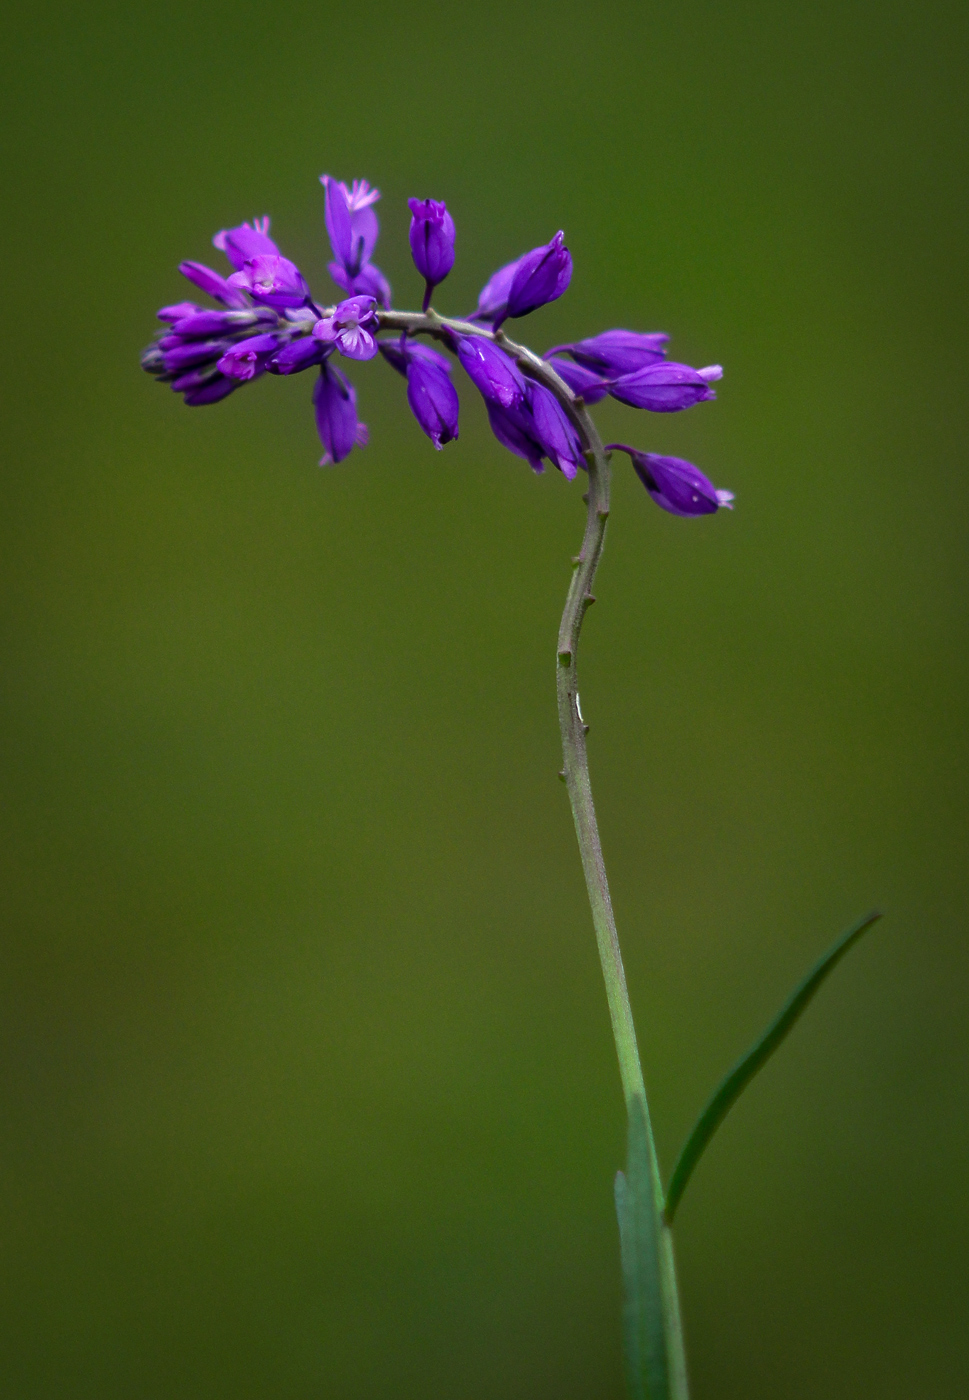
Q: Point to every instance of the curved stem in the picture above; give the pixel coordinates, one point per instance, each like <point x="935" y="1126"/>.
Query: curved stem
<point x="666" y="1375"/>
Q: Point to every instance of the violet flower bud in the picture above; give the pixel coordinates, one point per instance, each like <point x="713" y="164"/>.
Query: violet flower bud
<point x="199" y="322"/>
<point x="666" y="387"/>
<point x="216" y="389"/>
<point x="400" y="353"/>
<point x="350" y="222"/>
<point x="580" y="380"/>
<point x="335" y="403"/>
<point x="615" y="352"/>
<point x="249" y="358"/>
<point x="676" y="485"/>
<point x="433" y="400"/>
<point x="179" y="354"/>
<point x="246" y="242"/>
<point x="431" y="242"/>
<point x="511" y="428"/>
<point x="369" y="282"/>
<point x="541" y="276"/>
<point x="552" y="430"/>
<point x="349" y="328"/>
<point x="497" y="378"/>
<point x="493" y="297"/>
<point x="299" y="355"/>
<point x="272" y="280"/>
<point x="178" y="311"/>
<point x="213" y="283"/>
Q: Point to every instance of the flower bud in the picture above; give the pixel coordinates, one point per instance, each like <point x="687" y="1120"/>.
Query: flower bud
<point x="666" y="387"/>
<point x="335" y="404"/>
<point x="615" y="352"/>
<point x="433" y="400"/>
<point x="248" y="358"/>
<point x="213" y="283"/>
<point x="541" y="276"/>
<point x="676" y="485"/>
<point x="298" y="355"/>
<point x="431" y="241"/>
<point x="580" y="380"/>
<point x="553" y="431"/>
<point x="494" y="375"/>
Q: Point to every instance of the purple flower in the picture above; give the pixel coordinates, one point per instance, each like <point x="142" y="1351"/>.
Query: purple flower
<point x="554" y="432"/>
<point x="299" y="355"/>
<point x="580" y="380"/>
<point x="369" y="281"/>
<point x="246" y="242"/>
<point x="666" y="387"/>
<point x="197" y="321"/>
<point x="677" y="486"/>
<point x="537" y="428"/>
<point x="400" y="353"/>
<point x="272" y="280"/>
<point x="351" y="222"/>
<point x="496" y="377"/>
<point x="213" y="283"/>
<point x="430" y="393"/>
<point x="212" y="390"/>
<point x="433" y="400"/>
<point x="335" y="402"/>
<point x="178" y="311"/>
<point x="349" y="328"/>
<point x="248" y="358"/>
<point x="179" y="354"/>
<point x="431" y="242"/>
<point x="615" y="352"/>
<point x="511" y="428"/>
<point x="493" y="297"/>
<point x="541" y="276"/>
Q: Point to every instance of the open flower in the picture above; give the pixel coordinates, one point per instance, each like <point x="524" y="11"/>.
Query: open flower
<point x="349" y="328"/>
<point x="272" y="280"/>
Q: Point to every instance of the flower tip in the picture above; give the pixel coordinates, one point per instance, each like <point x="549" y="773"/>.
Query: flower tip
<point x="711" y="373"/>
<point x="725" y="500"/>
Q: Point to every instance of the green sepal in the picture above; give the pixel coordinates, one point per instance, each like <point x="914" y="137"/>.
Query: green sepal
<point x="644" y="1336"/>
<point x="733" y="1085"/>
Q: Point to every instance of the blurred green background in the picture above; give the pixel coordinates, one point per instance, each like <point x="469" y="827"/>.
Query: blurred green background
<point x="307" y="1082"/>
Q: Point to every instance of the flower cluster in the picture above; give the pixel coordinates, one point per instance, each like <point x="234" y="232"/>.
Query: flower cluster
<point x="267" y="321"/>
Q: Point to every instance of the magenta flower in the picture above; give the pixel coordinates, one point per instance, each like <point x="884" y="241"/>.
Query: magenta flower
<point x="431" y="242"/>
<point x="676" y="485"/>
<point x="666" y="387"/>
<point x="349" y="328"/>
<point x="615" y="352"/>
<point x="335" y="403"/>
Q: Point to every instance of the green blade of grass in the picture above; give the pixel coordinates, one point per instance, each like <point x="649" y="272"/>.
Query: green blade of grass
<point x="644" y="1335"/>
<point x="733" y="1085"/>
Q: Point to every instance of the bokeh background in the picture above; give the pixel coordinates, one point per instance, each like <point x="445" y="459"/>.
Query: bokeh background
<point x="307" y="1083"/>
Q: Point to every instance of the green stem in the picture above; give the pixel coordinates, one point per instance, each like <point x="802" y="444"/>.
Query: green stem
<point x="666" y="1372"/>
